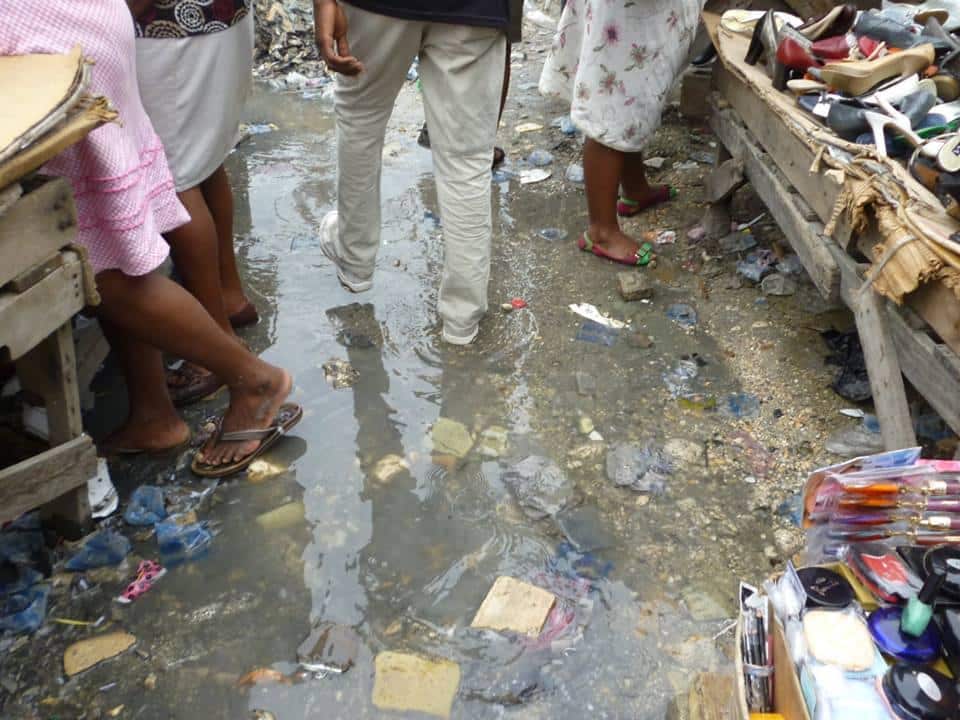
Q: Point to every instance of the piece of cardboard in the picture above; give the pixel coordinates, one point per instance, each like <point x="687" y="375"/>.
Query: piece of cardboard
<point x="32" y="89"/>
<point x="515" y="606"/>
<point x="406" y="682"/>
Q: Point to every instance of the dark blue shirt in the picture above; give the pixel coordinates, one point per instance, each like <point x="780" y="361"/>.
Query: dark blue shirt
<point x="488" y="13"/>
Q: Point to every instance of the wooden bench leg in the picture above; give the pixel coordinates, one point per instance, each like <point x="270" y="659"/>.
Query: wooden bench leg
<point x="886" y="380"/>
<point x="50" y="371"/>
<point x="716" y="220"/>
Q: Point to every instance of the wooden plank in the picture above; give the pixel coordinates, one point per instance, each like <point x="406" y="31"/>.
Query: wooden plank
<point x="92" y="349"/>
<point x="937" y="304"/>
<point x="37" y="226"/>
<point x="27" y="318"/>
<point x="883" y="366"/>
<point x="933" y="369"/>
<point x="50" y="371"/>
<point x="793" y="156"/>
<point x="769" y="183"/>
<point x="711" y="697"/>
<point x="8" y="196"/>
<point x="45" y="477"/>
<point x="29" y="278"/>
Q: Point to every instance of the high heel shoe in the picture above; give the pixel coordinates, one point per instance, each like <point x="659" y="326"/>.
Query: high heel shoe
<point x="931" y="8"/>
<point x="764" y="42"/>
<point x="840" y="47"/>
<point x="837" y="21"/>
<point x="898" y="123"/>
<point x="856" y="78"/>
<point x="848" y="119"/>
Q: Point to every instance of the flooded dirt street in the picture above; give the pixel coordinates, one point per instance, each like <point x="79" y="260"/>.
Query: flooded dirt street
<point x="397" y="503"/>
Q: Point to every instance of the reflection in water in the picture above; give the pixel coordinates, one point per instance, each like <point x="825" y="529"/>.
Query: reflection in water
<point x="404" y="550"/>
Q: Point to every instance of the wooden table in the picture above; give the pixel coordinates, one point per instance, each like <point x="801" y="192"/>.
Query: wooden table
<point x="895" y="341"/>
<point x="42" y="285"/>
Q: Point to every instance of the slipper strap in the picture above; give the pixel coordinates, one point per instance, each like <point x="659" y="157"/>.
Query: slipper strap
<point x="240" y="435"/>
<point x="643" y="254"/>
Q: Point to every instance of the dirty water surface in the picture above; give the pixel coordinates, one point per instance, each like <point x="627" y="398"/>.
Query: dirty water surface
<point x="405" y="492"/>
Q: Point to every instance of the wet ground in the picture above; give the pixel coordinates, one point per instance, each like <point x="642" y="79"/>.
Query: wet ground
<point x="407" y="559"/>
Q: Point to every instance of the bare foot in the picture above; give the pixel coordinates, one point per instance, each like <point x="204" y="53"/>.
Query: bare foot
<point x="146" y="435"/>
<point x="614" y="241"/>
<point x="253" y="406"/>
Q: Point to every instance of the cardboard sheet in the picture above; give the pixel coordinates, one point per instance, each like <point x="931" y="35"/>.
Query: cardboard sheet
<point x="36" y="92"/>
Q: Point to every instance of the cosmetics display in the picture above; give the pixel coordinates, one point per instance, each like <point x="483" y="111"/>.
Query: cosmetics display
<point x="869" y="629"/>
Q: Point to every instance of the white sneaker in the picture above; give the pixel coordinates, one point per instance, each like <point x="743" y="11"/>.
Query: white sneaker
<point x="449" y="337"/>
<point x="329" y="228"/>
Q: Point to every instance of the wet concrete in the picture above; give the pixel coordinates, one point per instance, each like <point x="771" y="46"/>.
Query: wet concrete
<point x="407" y="560"/>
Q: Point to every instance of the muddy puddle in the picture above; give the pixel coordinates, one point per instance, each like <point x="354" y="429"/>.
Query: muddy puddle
<point x="404" y="550"/>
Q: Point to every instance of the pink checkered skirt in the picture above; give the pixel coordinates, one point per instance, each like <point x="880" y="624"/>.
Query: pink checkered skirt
<point x="121" y="183"/>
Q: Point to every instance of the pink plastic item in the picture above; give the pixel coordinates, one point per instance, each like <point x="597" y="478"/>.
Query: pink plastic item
<point x="148" y="573"/>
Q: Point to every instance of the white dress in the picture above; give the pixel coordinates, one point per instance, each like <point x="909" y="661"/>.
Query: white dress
<point x="616" y="61"/>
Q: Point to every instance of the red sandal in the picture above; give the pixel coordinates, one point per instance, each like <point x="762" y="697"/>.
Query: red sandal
<point x="661" y="194"/>
<point x="642" y="256"/>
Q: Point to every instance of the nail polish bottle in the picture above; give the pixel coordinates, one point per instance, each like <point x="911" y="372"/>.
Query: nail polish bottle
<point x="916" y="616"/>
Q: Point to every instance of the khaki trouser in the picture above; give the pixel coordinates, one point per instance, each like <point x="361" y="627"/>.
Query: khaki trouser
<point x="461" y="70"/>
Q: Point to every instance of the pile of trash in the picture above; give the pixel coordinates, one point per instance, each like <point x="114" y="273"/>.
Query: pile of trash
<point x="34" y="562"/>
<point x="285" y="40"/>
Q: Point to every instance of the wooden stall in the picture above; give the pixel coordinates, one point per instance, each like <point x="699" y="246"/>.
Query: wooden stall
<point x="45" y="281"/>
<point x="784" y="156"/>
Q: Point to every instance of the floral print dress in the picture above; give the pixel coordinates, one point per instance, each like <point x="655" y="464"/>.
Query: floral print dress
<point x="616" y="61"/>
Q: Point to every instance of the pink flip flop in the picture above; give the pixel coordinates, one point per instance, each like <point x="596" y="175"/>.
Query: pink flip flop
<point x="147" y="574"/>
<point x="661" y="194"/>
<point x="642" y="256"/>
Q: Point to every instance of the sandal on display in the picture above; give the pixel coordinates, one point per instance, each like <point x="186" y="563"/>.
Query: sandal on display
<point x="856" y="78"/>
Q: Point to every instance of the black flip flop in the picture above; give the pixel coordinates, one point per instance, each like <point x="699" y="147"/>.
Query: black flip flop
<point x="288" y="416"/>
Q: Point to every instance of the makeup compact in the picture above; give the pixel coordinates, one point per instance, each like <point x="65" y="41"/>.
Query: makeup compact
<point x="918" y="693"/>
<point x="825" y="587"/>
<point x="945" y="559"/>
<point x="884" y="624"/>
<point x="883" y="572"/>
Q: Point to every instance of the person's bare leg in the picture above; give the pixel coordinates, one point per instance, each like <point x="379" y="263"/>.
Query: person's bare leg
<point x="152" y="423"/>
<point x="195" y="252"/>
<point x="602" y="170"/>
<point x="155" y="310"/>
<point x="219" y="197"/>
<point x="633" y="178"/>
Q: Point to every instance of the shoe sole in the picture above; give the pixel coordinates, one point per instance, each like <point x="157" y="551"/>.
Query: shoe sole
<point x="458" y="340"/>
<point x="354" y="286"/>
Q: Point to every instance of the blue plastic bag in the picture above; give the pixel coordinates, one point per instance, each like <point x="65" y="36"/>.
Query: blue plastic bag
<point x="146" y="506"/>
<point x="180" y="543"/>
<point x="25" y="611"/>
<point x="104" y="548"/>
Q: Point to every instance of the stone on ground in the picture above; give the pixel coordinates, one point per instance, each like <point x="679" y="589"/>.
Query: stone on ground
<point x="387" y="467"/>
<point x="493" y="442"/>
<point x="542" y="489"/>
<point x="515" y="606"/>
<point x="412" y="683"/>
<point x="634" y="286"/>
<point x="451" y="438"/>
<point x="285" y="516"/>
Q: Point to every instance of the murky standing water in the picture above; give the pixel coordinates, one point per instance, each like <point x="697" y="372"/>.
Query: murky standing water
<point x="407" y="560"/>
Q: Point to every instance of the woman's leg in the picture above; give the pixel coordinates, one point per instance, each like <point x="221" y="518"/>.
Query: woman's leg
<point x="155" y="310"/>
<point x="194" y="248"/>
<point x="152" y="423"/>
<point x="218" y="195"/>
<point x="602" y="169"/>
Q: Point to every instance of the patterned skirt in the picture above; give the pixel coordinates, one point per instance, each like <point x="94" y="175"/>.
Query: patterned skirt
<point x="616" y="61"/>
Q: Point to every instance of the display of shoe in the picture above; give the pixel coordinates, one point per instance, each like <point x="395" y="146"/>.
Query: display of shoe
<point x="856" y="78"/>
<point x="883" y="29"/>
<point x="947" y="12"/>
<point x="841" y="47"/>
<point x="948" y="89"/>
<point x="706" y="57"/>
<point x="837" y="21"/>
